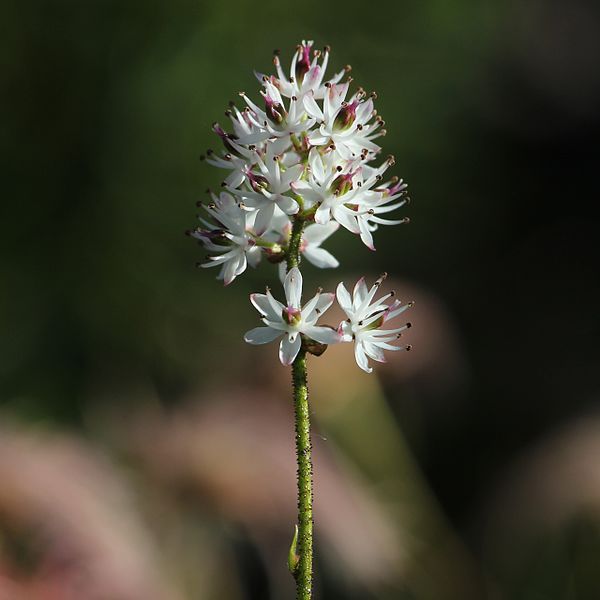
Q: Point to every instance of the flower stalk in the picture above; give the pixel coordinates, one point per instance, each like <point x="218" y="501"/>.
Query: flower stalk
<point x="304" y="547"/>
<point x="303" y="550"/>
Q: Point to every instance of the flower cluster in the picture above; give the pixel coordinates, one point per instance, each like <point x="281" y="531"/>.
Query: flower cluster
<point x="305" y="155"/>
<point x="363" y="326"/>
<point x="308" y="150"/>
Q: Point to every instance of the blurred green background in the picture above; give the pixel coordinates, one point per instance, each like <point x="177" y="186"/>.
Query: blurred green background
<point x="478" y="450"/>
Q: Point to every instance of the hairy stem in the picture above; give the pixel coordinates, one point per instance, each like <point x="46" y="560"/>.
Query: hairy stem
<point x="302" y="570"/>
<point x="293" y="254"/>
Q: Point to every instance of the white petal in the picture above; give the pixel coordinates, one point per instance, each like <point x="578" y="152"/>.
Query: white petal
<point x="323" y="335"/>
<point x="315" y="307"/>
<point x="365" y="235"/>
<point x="263" y="218"/>
<point x="321" y="258"/>
<point x="230" y="270"/>
<point x="344" y="217"/>
<point x="359" y="293"/>
<point x="288" y="205"/>
<point x="265" y="307"/>
<point x="312" y="108"/>
<point x="289" y="350"/>
<point x="261" y="335"/>
<point x="293" y="287"/>
<point x="374" y="352"/>
<point x="281" y="267"/>
<point x="322" y="214"/>
<point x="316" y="234"/>
<point x="361" y="358"/>
<point x="344" y="299"/>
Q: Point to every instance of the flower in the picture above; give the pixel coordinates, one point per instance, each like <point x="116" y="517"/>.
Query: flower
<point x="305" y="76"/>
<point x="365" y="319"/>
<point x="345" y="126"/>
<point x="230" y="237"/>
<point x="269" y="189"/>
<point x="346" y="194"/>
<point x="291" y="320"/>
<point x="305" y="152"/>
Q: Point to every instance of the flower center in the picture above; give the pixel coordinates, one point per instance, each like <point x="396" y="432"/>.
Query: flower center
<point x="291" y="315"/>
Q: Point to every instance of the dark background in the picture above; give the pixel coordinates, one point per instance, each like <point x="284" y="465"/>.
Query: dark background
<point x="492" y="112"/>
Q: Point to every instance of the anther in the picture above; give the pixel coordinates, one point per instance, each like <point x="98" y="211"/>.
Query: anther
<point x="327" y="48"/>
<point x="408" y="325"/>
<point x="411" y="304"/>
<point x="408" y="348"/>
<point x="348" y="68"/>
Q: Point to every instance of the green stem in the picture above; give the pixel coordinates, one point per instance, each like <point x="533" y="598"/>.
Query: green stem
<point x="293" y="253"/>
<point x="302" y="570"/>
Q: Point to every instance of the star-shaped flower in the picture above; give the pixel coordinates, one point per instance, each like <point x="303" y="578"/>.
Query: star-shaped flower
<point x="291" y="320"/>
<point x="365" y="319"/>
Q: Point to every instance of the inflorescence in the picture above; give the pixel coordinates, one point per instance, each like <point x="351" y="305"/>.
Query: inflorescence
<point x="306" y="154"/>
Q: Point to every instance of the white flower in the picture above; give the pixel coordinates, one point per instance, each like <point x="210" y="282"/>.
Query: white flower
<point x="365" y="319"/>
<point x="304" y="154"/>
<point x="269" y="189"/>
<point x="276" y="119"/>
<point x="344" y="194"/>
<point x="291" y="320"/>
<point x="345" y="126"/>
<point x="230" y="237"/>
<point x="305" y="75"/>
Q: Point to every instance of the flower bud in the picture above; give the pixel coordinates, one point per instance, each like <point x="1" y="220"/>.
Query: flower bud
<point x="274" y="110"/>
<point x="226" y="137"/>
<point x="342" y="184"/>
<point x="346" y="116"/>
<point x="303" y="62"/>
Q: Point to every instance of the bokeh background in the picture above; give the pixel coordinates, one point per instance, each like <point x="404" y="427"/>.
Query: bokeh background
<point x="146" y="452"/>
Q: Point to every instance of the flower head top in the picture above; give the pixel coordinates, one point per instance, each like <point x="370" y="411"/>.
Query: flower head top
<point x="366" y="318"/>
<point x="305" y="150"/>
<point x="290" y="320"/>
